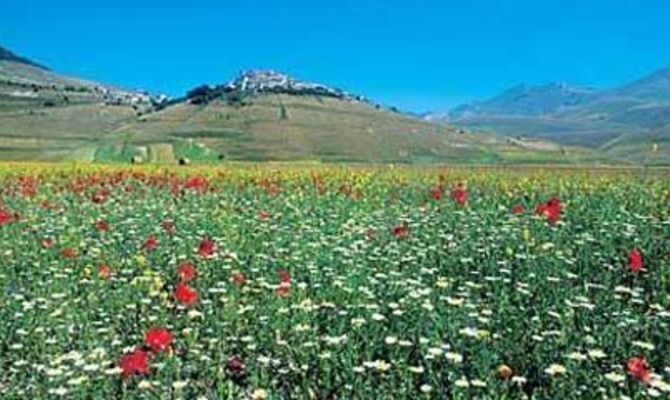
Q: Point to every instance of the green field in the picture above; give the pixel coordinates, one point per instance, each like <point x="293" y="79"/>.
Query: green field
<point x="333" y="282"/>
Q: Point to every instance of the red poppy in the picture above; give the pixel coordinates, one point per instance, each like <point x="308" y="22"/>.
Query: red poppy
<point x="174" y="189"/>
<point x="551" y="210"/>
<point x="48" y="243"/>
<point x="554" y="208"/>
<point x="135" y="363"/>
<point x="283" y="291"/>
<point x="238" y="279"/>
<point x="196" y="183"/>
<point x="186" y="272"/>
<point x="158" y="339"/>
<point x="635" y="260"/>
<point x="168" y="226"/>
<point x="263" y="215"/>
<point x="185" y="295"/>
<point x="518" y="209"/>
<point x="104" y="271"/>
<point x="459" y="195"/>
<point x="206" y="248"/>
<point x="639" y="369"/>
<point x="102" y="226"/>
<point x="272" y="190"/>
<point x="5" y="217"/>
<point x="29" y="190"/>
<point x="400" y="232"/>
<point x="100" y="196"/>
<point x="436" y="193"/>
<point x="284" y="277"/>
<point x="68" y="252"/>
<point x="151" y="244"/>
<point x="235" y="365"/>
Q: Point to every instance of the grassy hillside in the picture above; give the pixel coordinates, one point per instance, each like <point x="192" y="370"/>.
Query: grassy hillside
<point x="49" y="117"/>
<point x="285" y="127"/>
<point x="273" y="127"/>
<point x="59" y="132"/>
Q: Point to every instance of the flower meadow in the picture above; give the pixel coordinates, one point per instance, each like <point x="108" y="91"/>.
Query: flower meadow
<point x="288" y="282"/>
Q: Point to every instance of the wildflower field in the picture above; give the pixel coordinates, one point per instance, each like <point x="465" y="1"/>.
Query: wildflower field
<point x="251" y="282"/>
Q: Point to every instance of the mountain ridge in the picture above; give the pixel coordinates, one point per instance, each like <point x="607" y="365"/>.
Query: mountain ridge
<point x="7" y="55"/>
<point x="637" y="113"/>
<point x="526" y="99"/>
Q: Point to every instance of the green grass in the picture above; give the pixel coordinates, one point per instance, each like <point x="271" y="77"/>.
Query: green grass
<point x="116" y="154"/>
<point x="195" y="152"/>
<point x="367" y="314"/>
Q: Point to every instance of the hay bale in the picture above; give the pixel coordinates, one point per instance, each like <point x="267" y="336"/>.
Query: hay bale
<point x="184" y="161"/>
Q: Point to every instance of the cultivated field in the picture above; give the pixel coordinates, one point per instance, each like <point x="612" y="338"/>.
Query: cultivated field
<point x="273" y="282"/>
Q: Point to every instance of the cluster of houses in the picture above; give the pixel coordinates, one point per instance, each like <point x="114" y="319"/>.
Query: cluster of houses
<point x="126" y="98"/>
<point x="269" y="81"/>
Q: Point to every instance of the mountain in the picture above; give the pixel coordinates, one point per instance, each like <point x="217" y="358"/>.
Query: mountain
<point x="653" y="87"/>
<point x="6" y="55"/>
<point x="527" y="101"/>
<point x="629" y="122"/>
<point x="260" y="115"/>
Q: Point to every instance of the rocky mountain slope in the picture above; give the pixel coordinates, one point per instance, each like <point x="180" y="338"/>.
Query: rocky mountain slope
<point x="630" y="122"/>
<point x="527" y="101"/>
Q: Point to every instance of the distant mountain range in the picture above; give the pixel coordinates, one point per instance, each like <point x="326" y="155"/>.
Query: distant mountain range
<point x="257" y="116"/>
<point x="631" y="122"/>
<point x="528" y="101"/>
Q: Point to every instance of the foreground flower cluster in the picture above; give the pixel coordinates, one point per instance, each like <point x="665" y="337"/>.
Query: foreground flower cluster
<point x="333" y="283"/>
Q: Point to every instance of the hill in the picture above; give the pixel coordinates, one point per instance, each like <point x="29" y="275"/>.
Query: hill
<point x="6" y="55"/>
<point x="48" y="116"/>
<point x="286" y="127"/>
<point x="270" y="116"/>
<point x="626" y="122"/>
<point x="257" y="116"/>
<point x="527" y="101"/>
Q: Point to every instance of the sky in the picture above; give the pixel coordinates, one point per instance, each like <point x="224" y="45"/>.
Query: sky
<point x="417" y="55"/>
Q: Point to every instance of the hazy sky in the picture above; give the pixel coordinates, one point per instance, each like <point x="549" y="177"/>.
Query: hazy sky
<point x="418" y="55"/>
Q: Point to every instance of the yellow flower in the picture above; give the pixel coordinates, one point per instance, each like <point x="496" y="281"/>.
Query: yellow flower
<point x="141" y="260"/>
<point x="158" y="283"/>
<point x="483" y="334"/>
